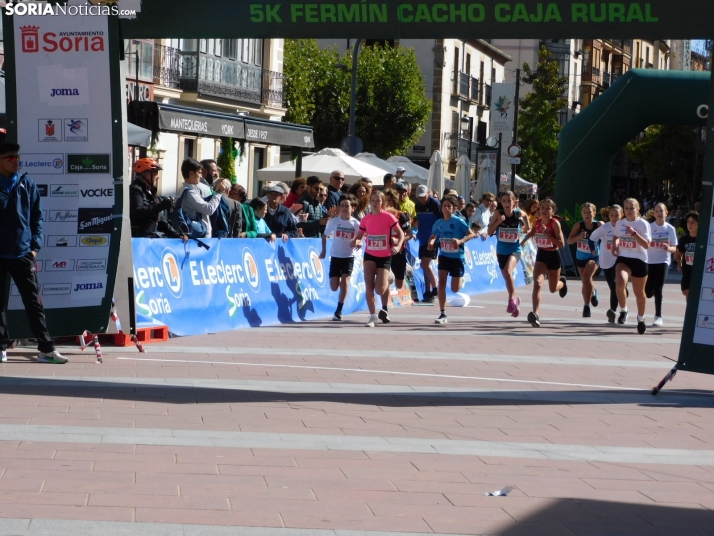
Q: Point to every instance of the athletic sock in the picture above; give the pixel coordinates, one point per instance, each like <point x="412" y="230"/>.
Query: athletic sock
<point x="385" y="308"/>
<point x="443" y="311"/>
<point x="640" y="318"/>
<point x="623" y="310"/>
<point x="339" y="307"/>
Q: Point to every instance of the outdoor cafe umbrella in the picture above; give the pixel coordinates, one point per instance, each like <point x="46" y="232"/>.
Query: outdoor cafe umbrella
<point x="435" y="183"/>
<point x="373" y="160"/>
<point x="486" y="179"/>
<point x="322" y="164"/>
<point x="414" y="172"/>
<point x="462" y="183"/>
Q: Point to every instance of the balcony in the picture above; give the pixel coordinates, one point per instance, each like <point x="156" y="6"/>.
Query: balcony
<point x="167" y="66"/>
<point x="606" y="79"/>
<point x="474" y="89"/>
<point x="273" y="94"/>
<point x="463" y="87"/>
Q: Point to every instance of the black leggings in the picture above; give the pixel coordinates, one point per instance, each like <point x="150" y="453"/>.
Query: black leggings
<point x="610" y="278"/>
<point x="655" y="283"/>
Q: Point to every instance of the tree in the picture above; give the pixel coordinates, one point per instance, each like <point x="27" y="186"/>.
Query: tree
<point x="538" y="120"/>
<point x="671" y="158"/>
<point x="227" y="159"/>
<point x="392" y="108"/>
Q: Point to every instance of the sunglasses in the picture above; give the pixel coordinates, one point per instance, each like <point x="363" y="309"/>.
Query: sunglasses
<point x="339" y="178"/>
<point x="12" y="158"/>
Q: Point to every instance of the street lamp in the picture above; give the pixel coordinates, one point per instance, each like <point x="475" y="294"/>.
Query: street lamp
<point x="469" y="122"/>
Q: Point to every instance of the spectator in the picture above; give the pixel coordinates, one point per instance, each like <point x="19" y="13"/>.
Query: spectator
<point x="406" y="205"/>
<point x="697" y="207"/>
<point x="248" y="225"/>
<point x="399" y="174"/>
<point x="677" y="215"/>
<point x="194" y="205"/>
<point x="259" y="208"/>
<point x="312" y="206"/>
<point x="362" y="192"/>
<point x="297" y="188"/>
<point x="235" y="208"/>
<point x="20" y="240"/>
<point x="279" y="219"/>
<point x="146" y="209"/>
<point x="428" y="211"/>
<point x="482" y="215"/>
<point x="468" y="211"/>
<point x="462" y="203"/>
<point x="531" y="209"/>
<point x="388" y="181"/>
<point x="337" y="180"/>
<point x="209" y="172"/>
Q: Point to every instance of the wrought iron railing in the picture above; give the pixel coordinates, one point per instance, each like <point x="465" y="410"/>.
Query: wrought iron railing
<point x="273" y="93"/>
<point x="167" y="66"/>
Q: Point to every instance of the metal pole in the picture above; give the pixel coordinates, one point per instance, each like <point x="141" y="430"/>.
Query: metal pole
<point x="498" y="163"/>
<point x="353" y="97"/>
<point x="515" y="126"/>
<point x="136" y="84"/>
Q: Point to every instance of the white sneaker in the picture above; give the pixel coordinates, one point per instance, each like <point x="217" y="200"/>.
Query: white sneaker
<point x="53" y="357"/>
<point x="372" y="321"/>
<point x="441" y="320"/>
<point x="658" y="322"/>
<point x="3" y="357"/>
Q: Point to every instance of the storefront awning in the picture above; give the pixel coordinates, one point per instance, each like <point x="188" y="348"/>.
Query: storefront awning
<point x="172" y="118"/>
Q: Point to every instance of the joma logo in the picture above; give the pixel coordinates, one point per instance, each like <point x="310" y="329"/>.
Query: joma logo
<point x="66" y="92"/>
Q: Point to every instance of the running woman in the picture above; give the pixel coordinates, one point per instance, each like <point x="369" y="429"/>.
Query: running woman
<point x="662" y="245"/>
<point x="685" y="251"/>
<point x="342" y="256"/>
<point x="605" y="234"/>
<point x="630" y="246"/>
<point x="508" y="221"/>
<point x="549" y="239"/>
<point x="377" y="226"/>
<point x="452" y="232"/>
<point x="399" y="261"/>
<point x="587" y="255"/>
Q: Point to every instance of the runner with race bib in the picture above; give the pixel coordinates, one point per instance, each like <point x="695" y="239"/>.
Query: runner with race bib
<point x="587" y="255"/>
<point x="662" y="245"/>
<point x="685" y="251"/>
<point x="630" y="246"/>
<point x="605" y="234"/>
<point x="451" y="232"/>
<point x="376" y="229"/>
<point x="549" y="239"/>
<point x="506" y="225"/>
<point x="342" y="256"/>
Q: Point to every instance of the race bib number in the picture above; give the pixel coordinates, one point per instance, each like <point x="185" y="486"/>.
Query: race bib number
<point x="689" y="258"/>
<point x="609" y="245"/>
<point x="659" y="243"/>
<point x="584" y="246"/>
<point x="447" y="245"/>
<point x="543" y="241"/>
<point x="508" y="235"/>
<point x="628" y="243"/>
<point x="377" y="242"/>
<point x="345" y="233"/>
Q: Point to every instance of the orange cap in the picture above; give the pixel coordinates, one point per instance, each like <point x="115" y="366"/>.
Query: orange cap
<point x="146" y="164"/>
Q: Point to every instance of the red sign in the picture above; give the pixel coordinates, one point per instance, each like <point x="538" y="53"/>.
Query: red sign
<point x="30" y="38"/>
<point x="50" y="128"/>
<point x="64" y="43"/>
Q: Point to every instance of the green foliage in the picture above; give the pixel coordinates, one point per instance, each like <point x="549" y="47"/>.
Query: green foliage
<point x="538" y="121"/>
<point x="671" y="157"/>
<point x="392" y="109"/>
<point x="227" y="159"/>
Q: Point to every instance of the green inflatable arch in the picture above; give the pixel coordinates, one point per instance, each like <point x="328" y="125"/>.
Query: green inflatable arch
<point x="640" y="98"/>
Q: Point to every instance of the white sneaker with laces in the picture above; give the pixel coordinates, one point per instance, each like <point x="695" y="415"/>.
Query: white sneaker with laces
<point x="3" y="357"/>
<point x="372" y="321"/>
<point x="53" y="357"/>
<point x="658" y="322"/>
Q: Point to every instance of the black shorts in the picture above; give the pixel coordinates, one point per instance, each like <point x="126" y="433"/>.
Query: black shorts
<point x="341" y="266"/>
<point x="639" y="268"/>
<point x="503" y="259"/>
<point x="583" y="263"/>
<point x="686" y="279"/>
<point x="424" y="253"/>
<point x="455" y="267"/>
<point x="399" y="265"/>
<point x="384" y="263"/>
<point x="551" y="259"/>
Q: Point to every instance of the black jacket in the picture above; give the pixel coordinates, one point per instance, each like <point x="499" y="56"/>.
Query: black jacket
<point x="235" y="217"/>
<point x="281" y="222"/>
<point x="311" y="227"/>
<point x="145" y="212"/>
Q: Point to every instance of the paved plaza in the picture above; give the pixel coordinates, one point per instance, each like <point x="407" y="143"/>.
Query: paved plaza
<point x="336" y="429"/>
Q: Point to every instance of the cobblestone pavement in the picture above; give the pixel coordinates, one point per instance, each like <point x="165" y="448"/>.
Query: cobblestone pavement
<point x="337" y="429"/>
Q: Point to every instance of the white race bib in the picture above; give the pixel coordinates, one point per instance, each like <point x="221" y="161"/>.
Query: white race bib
<point x="345" y="233"/>
<point x="447" y="245"/>
<point x="689" y="258"/>
<point x="659" y="243"/>
<point x="507" y="234"/>
<point x="543" y="241"/>
<point x="377" y="242"/>
<point x="584" y="246"/>
<point x="628" y="243"/>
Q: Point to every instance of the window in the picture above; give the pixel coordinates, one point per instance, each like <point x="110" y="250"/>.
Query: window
<point x="468" y="64"/>
<point x="229" y="48"/>
<point x="218" y="49"/>
<point x="146" y="60"/>
<point x="245" y="53"/>
<point x="258" y="51"/>
<point x="203" y="47"/>
<point x="188" y="45"/>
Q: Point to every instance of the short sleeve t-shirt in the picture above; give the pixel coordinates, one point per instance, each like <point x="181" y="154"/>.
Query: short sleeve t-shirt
<point x="378" y="233"/>
<point x="663" y="237"/>
<point x="445" y="231"/>
<point x="606" y="235"/>
<point x="687" y="245"/>
<point x="344" y="232"/>
<point x="628" y="246"/>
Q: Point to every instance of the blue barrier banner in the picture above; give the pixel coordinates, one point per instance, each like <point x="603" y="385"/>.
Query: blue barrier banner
<point x="481" y="273"/>
<point x="238" y="283"/>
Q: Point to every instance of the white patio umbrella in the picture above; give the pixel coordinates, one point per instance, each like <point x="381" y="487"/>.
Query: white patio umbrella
<point x="414" y="173"/>
<point x="322" y="164"/>
<point x="486" y="179"/>
<point x="373" y="160"/>
<point x="462" y="182"/>
<point x="436" y="174"/>
<point x="522" y="186"/>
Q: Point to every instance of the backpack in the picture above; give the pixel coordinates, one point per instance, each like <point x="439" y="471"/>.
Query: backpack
<point x="219" y="220"/>
<point x="181" y="221"/>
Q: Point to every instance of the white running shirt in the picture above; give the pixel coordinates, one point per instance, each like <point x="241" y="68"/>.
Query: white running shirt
<point x="344" y="231"/>
<point x="663" y="236"/>
<point x="605" y="233"/>
<point x="628" y="246"/>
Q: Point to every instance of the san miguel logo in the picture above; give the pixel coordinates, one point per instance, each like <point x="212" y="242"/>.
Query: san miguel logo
<point x="79" y="41"/>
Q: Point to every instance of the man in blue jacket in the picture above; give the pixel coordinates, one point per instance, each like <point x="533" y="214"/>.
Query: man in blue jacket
<point x="20" y="240"/>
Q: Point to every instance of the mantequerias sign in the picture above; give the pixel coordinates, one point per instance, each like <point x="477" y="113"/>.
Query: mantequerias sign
<point x="392" y="19"/>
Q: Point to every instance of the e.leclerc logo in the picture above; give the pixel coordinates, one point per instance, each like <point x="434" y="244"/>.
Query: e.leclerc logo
<point x="250" y="267"/>
<point x="317" y="267"/>
<point x="172" y="272"/>
<point x="469" y="259"/>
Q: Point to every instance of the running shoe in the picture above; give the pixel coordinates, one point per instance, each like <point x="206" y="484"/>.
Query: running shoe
<point x="641" y="328"/>
<point x="534" y="320"/>
<point x="511" y="306"/>
<point x="3" y="357"/>
<point x="429" y="297"/>
<point x="384" y="316"/>
<point x="517" y="309"/>
<point x="658" y="322"/>
<point x="593" y="299"/>
<point x="441" y="319"/>
<point x="372" y="321"/>
<point x="623" y="318"/>
<point x="563" y="291"/>
<point x="336" y="317"/>
<point x="586" y="311"/>
<point x="53" y="357"/>
<point x="611" y="316"/>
